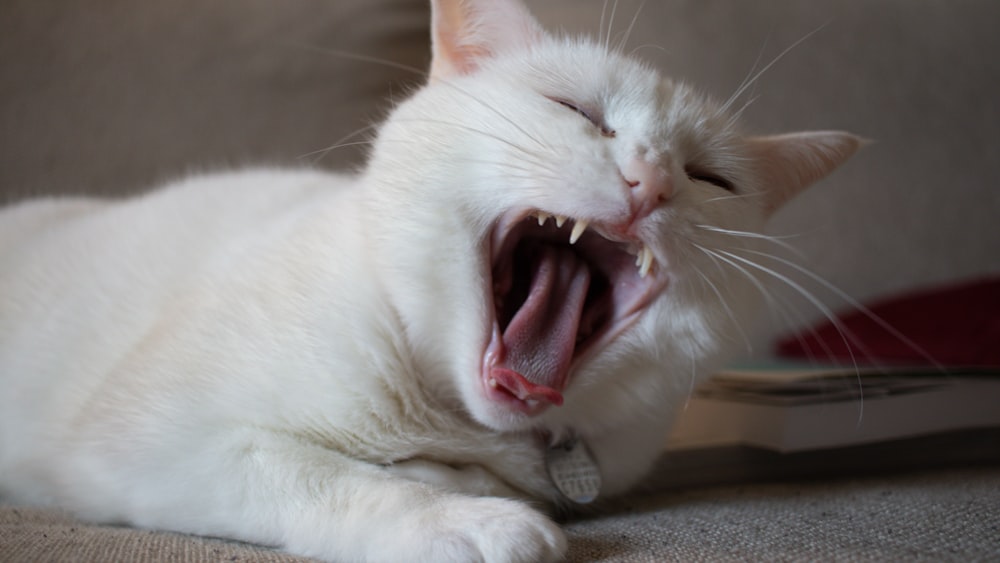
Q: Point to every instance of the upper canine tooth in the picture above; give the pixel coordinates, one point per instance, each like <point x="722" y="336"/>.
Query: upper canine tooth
<point x="542" y="218"/>
<point x="578" y="229"/>
<point x="647" y="261"/>
<point x="560" y="220"/>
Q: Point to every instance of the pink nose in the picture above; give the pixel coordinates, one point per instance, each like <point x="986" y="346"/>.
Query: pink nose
<point x="650" y="185"/>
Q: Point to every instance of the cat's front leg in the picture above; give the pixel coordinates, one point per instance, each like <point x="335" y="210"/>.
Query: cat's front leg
<point x="467" y="479"/>
<point x="309" y="500"/>
<point x="468" y="528"/>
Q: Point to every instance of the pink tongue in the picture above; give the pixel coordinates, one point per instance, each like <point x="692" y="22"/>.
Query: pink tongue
<point x="540" y="339"/>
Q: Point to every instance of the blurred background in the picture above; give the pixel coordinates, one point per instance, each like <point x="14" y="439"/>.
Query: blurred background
<point x="112" y="97"/>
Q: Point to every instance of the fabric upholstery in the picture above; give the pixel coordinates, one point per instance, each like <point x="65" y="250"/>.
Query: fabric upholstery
<point x="938" y="516"/>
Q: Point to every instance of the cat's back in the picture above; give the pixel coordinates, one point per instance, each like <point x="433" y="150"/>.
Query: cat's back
<point x="79" y="278"/>
<point x="65" y="235"/>
<point x="219" y="202"/>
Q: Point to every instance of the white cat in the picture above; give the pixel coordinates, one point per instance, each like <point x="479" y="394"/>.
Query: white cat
<point x="402" y="364"/>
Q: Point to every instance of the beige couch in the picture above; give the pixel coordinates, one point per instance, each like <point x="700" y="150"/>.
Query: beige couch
<point x="111" y="97"/>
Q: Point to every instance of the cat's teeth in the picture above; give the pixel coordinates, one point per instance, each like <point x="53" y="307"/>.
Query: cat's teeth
<point x="532" y="403"/>
<point x="647" y="261"/>
<point x="542" y="218"/>
<point x="578" y="229"/>
<point x="560" y="220"/>
<point x="492" y="383"/>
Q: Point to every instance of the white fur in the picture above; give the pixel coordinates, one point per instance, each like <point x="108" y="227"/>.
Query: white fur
<point x="292" y="358"/>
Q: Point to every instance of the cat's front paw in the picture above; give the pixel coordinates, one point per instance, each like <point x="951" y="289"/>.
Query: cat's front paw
<point x="491" y="530"/>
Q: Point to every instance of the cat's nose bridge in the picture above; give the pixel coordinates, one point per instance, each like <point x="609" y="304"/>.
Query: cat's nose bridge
<point x="649" y="185"/>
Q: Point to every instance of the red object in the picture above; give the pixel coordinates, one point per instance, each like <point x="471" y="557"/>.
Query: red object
<point x="955" y="325"/>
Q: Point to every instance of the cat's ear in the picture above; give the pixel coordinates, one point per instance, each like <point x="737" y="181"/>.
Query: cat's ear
<point x="464" y="32"/>
<point x="788" y="163"/>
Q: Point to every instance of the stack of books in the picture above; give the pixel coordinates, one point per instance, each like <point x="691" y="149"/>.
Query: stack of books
<point x="780" y="420"/>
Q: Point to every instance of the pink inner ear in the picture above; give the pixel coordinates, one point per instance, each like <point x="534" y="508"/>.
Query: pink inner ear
<point x="460" y="58"/>
<point x="465" y="32"/>
<point x="789" y="163"/>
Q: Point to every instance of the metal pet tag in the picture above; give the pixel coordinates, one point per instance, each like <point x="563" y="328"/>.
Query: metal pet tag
<point x="574" y="471"/>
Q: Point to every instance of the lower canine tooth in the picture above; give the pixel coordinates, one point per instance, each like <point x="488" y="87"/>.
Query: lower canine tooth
<point x="578" y="229"/>
<point x="647" y="261"/>
<point x="492" y="383"/>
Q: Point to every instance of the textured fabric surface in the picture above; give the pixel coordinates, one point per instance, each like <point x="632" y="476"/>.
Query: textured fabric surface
<point x="936" y="516"/>
<point x="28" y="534"/>
<point x="932" y="517"/>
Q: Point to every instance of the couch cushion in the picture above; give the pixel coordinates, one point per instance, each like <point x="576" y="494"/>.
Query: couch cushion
<point x="106" y="99"/>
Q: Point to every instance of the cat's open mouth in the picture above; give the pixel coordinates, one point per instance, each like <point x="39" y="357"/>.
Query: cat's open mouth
<point x="561" y="288"/>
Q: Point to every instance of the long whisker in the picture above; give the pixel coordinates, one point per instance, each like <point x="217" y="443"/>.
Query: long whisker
<point x="738" y="114"/>
<point x="753" y="279"/>
<point x="532" y="172"/>
<point x="628" y="32"/>
<point x="733" y="196"/>
<point x="424" y="73"/>
<point x="541" y="172"/>
<point x="725" y="305"/>
<point x="465" y="127"/>
<point x="600" y="25"/>
<point x="759" y="236"/>
<point x="748" y="83"/>
<point x="541" y="169"/>
<point x="748" y="234"/>
<point x="893" y="331"/>
<point x="611" y="25"/>
<point x="321" y="154"/>
<point x="846" y="335"/>
<point x="747" y="78"/>
<point x="340" y="143"/>
<point x="775" y="305"/>
<point x="694" y="374"/>
<point x="495" y="111"/>
<point x="364" y="58"/>
<point x="650" y="45"/>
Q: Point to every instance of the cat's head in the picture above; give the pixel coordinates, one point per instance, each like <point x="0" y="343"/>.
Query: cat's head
<point x="561" y="228"/>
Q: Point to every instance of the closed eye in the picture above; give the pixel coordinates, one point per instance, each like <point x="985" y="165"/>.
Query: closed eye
<point x="698" y="175"/>
<point x="599" y="123"/>
<point x="578" y="110"/>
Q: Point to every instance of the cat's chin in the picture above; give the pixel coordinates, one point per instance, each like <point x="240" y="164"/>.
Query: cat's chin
<point x="562" y="289"/>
